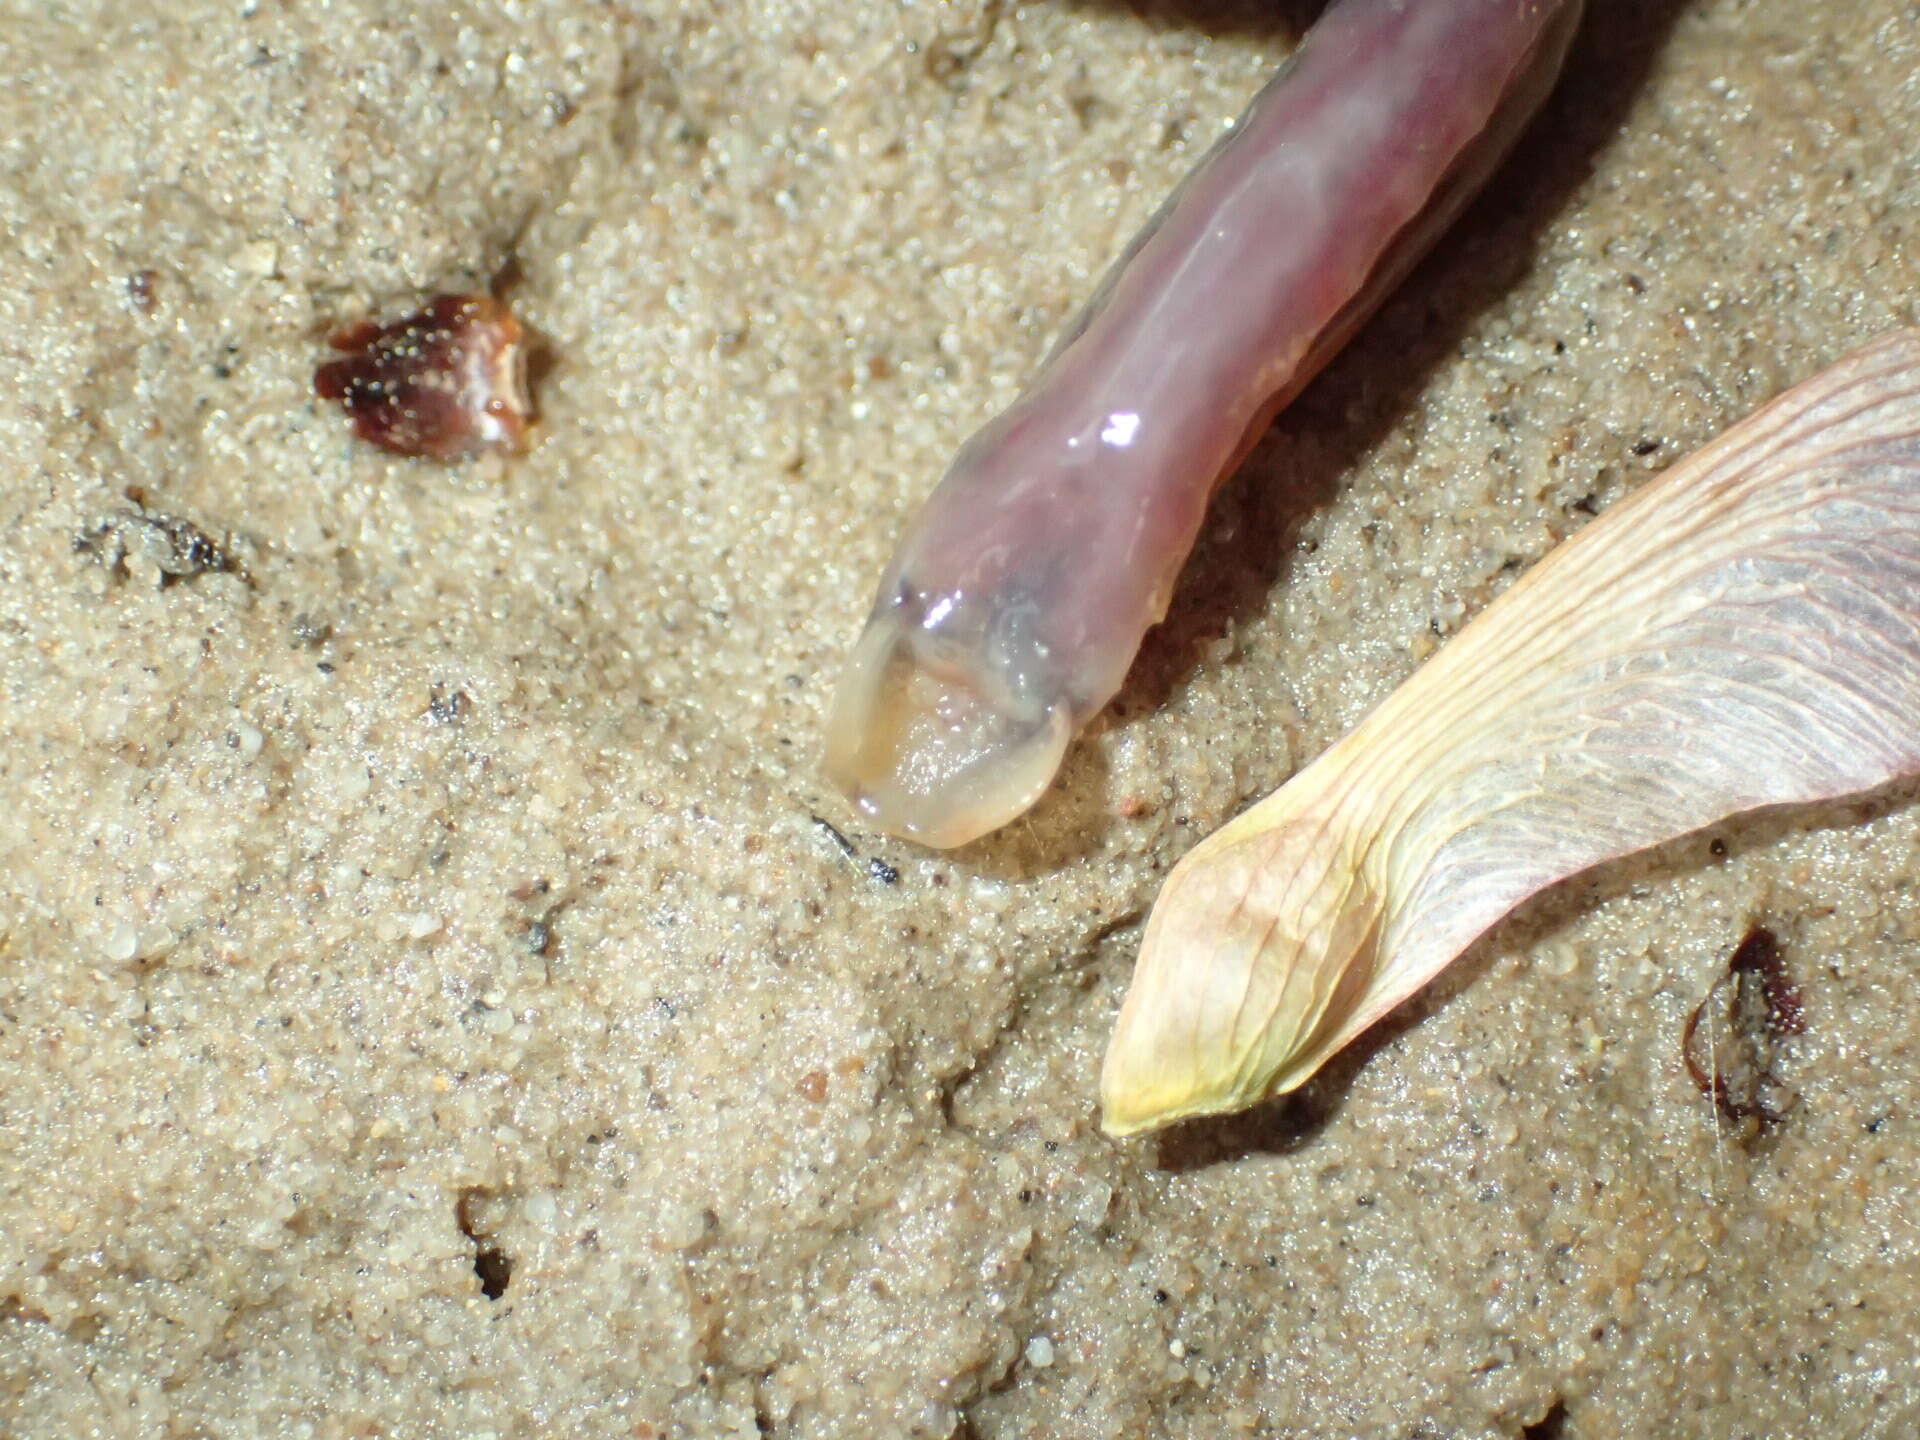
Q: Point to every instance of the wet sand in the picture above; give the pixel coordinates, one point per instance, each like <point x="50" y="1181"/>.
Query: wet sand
<point x="432" y="1001"/>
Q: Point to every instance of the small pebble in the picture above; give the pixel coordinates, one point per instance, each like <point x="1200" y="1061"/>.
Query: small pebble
<point x="261" y="258"/>
<point x="355" y="781"/>
<point x="420" y="926"/>
<point x="1039" y="1352"/>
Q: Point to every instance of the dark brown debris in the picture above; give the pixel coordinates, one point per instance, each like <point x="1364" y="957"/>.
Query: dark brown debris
<point x="876" y="868"/>
<point x="1732" y="1044"/>
<point x="178" y="548"/>
<point x="448" y="707"/>
<point x="140" y="290"/>
<point x="492" y="1266"/>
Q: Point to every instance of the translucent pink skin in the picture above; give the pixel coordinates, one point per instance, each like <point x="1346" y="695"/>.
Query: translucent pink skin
<point x="1018" y="597"/>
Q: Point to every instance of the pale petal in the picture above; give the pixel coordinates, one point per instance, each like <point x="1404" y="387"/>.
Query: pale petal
<point x="1743" y="632"/>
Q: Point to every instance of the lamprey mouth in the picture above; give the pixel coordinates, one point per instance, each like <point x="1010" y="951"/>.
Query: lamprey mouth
<point x="931" y="746"/>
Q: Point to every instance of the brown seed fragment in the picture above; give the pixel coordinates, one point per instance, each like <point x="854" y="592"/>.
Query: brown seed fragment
<point x="446" y="382"/>
<point x="1732" y="1038"/>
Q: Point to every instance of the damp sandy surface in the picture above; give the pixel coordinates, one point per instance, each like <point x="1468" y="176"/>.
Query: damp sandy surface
<point x="431" y="1003"/>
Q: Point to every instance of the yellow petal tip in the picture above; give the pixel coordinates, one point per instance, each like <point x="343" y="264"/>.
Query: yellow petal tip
<point x="1261" y="948"/>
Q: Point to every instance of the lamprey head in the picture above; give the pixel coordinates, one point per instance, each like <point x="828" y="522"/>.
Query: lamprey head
<point x="940" y="731"/>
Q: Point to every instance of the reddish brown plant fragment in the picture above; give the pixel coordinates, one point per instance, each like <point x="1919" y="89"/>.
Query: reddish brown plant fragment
<point x="1747" y="1011"/>
<point x="446" y="382"/>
